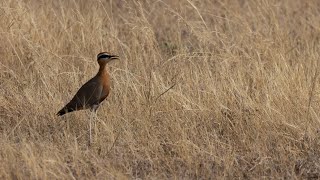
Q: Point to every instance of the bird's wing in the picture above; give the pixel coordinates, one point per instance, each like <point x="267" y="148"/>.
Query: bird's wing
<point x="104" y="94"/>
<point x="87" y="96"/>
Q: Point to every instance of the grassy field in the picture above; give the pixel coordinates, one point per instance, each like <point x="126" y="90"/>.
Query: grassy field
<point x="203" y="89"/>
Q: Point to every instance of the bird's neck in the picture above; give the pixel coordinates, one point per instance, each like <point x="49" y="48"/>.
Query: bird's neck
<point x="104" y="76"/>
<point x="103" y="70"/>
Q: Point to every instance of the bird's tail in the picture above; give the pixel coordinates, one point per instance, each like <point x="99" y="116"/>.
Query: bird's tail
<point x="61" y="112"/>
<point x="64" y="111"/>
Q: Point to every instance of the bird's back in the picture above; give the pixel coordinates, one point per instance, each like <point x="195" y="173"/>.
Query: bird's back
<point x="88" y="96"/>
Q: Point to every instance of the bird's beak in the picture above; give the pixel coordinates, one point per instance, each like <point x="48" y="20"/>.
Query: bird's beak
<point x="114" y="57"/>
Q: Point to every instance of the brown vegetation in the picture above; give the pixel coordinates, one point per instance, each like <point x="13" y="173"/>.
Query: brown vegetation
<point x="204" y="89"/>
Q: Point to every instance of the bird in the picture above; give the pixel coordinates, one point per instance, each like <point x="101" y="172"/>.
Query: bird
<point x="93" y="92"/>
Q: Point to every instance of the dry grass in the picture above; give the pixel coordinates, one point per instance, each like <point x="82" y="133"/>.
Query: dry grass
<point x="220" y="89"/>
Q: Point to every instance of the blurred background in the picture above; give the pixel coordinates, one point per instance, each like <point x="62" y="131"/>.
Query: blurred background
<point x="203" y="89"/>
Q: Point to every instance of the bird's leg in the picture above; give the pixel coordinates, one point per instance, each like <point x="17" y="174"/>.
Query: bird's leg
<point x="94" y="110"/>
<point x="90" y="128"/>
<point x="95" y="125"/>
<point x="93" y="117"/>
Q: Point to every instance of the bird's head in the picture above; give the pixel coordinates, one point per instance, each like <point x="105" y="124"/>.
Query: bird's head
<point x="105" y="57"/>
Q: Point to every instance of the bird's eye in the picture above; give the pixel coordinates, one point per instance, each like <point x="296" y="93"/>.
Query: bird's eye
<point x="103" y="56"/>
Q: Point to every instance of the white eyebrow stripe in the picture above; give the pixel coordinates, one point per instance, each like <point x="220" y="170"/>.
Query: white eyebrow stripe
<point x="104" y="54"/>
